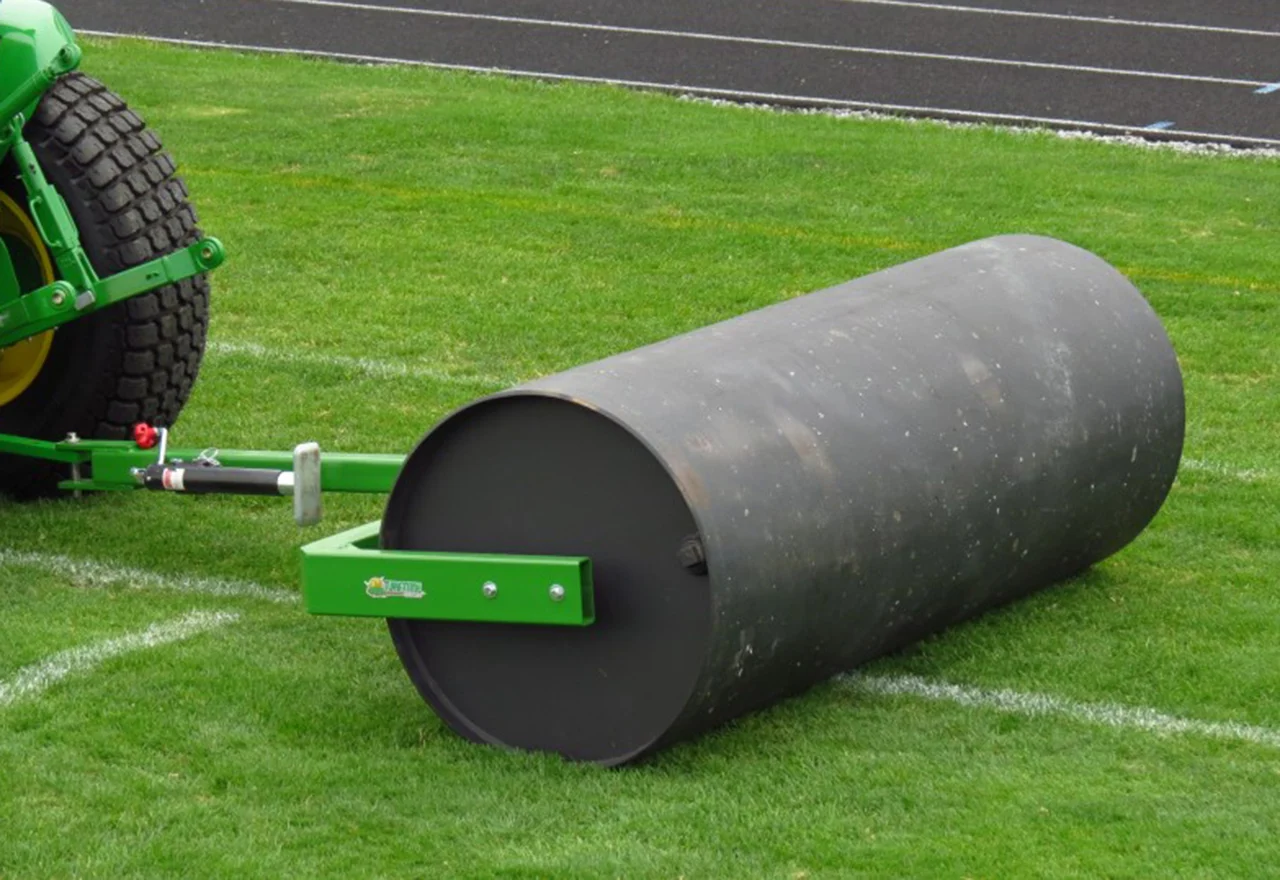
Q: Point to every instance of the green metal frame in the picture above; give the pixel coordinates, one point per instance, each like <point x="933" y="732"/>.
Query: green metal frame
<point x="36" y="47"/>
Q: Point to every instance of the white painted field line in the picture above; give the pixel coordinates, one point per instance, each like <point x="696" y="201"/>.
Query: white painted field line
<point x="31" y="681"/>
<point x="89" y="573"/>
<point x="1045" y="705"/>
<point x="1083" y="19"/>
<point x="767" y="42"/>
<point x="936" y="113"/>
<point x="377" y="369"/>
<point x="1245" y="475"/>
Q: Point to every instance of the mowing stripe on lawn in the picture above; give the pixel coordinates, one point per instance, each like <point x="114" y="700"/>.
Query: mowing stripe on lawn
<point x="375" y="369"/>
<point x="31" y="681"/>
<point x="1043" y="705"/>
<point x="90" y="573"/>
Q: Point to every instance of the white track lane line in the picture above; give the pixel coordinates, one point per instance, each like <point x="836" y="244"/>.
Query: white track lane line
<point x="707" y="91"/>
<point x="1044" y="705"/>
<point x="31" y="681"/>
<point x="90" y="573"/>
<point x="377" y="369"/>
<point x="760" y="41"/>
<point x="1083" y="19"/>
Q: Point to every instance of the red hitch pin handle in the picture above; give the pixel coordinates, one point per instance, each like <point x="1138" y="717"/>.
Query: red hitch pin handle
<point x="145" y="435"/>
<point x="149" y="436"/>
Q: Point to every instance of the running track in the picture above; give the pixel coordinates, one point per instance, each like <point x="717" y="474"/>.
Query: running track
<point x="1176" y="69"/>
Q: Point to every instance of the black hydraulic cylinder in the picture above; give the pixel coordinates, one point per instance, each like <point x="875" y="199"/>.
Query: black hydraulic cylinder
<point x="198" y="479"/>
<point x="783" y="496"/>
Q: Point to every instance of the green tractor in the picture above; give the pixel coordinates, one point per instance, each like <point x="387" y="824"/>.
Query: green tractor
<point x="103" y="296"/>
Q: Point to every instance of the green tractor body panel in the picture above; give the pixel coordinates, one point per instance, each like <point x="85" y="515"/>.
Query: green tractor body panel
<point x="33" y="36"/>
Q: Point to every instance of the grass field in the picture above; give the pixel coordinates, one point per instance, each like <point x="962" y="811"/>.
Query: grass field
<point x="405" y="240"/>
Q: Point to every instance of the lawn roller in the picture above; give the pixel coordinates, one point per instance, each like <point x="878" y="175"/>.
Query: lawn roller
<point x="615" y="558"/>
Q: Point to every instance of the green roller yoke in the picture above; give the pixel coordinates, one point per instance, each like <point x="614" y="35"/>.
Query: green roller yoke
<point x="347" y="574"/>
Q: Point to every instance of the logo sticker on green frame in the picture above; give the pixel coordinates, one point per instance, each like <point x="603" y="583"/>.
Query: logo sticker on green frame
<point x="382" y="588"/>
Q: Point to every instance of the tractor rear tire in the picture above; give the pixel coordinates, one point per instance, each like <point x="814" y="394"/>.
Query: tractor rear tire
<point x="135" y="361"/>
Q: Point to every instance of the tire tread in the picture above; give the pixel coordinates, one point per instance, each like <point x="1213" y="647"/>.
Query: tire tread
<point x="135" y="361"/>
<point x="125" y="182"/>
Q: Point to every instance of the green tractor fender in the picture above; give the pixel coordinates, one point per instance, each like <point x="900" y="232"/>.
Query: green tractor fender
<point x="36" y="46"/>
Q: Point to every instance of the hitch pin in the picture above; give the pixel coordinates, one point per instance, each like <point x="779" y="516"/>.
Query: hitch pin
<point x="145" y="436"/>
<point x="75" y="465"/>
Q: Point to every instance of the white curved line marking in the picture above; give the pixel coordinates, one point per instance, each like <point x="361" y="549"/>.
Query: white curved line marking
<point x="90" y="573"/>
<point x="31" y="681"/>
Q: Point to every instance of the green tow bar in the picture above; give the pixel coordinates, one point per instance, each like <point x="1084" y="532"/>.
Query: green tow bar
<point x="348" y="574"/>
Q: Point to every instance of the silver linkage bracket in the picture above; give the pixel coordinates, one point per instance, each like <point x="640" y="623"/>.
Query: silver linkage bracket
<point x="307" y="506"/>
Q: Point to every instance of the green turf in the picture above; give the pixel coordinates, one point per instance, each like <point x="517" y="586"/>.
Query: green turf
<point x="472" y="231"/>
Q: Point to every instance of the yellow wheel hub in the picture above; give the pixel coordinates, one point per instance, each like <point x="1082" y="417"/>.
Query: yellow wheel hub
<point x="21" y="362"/>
